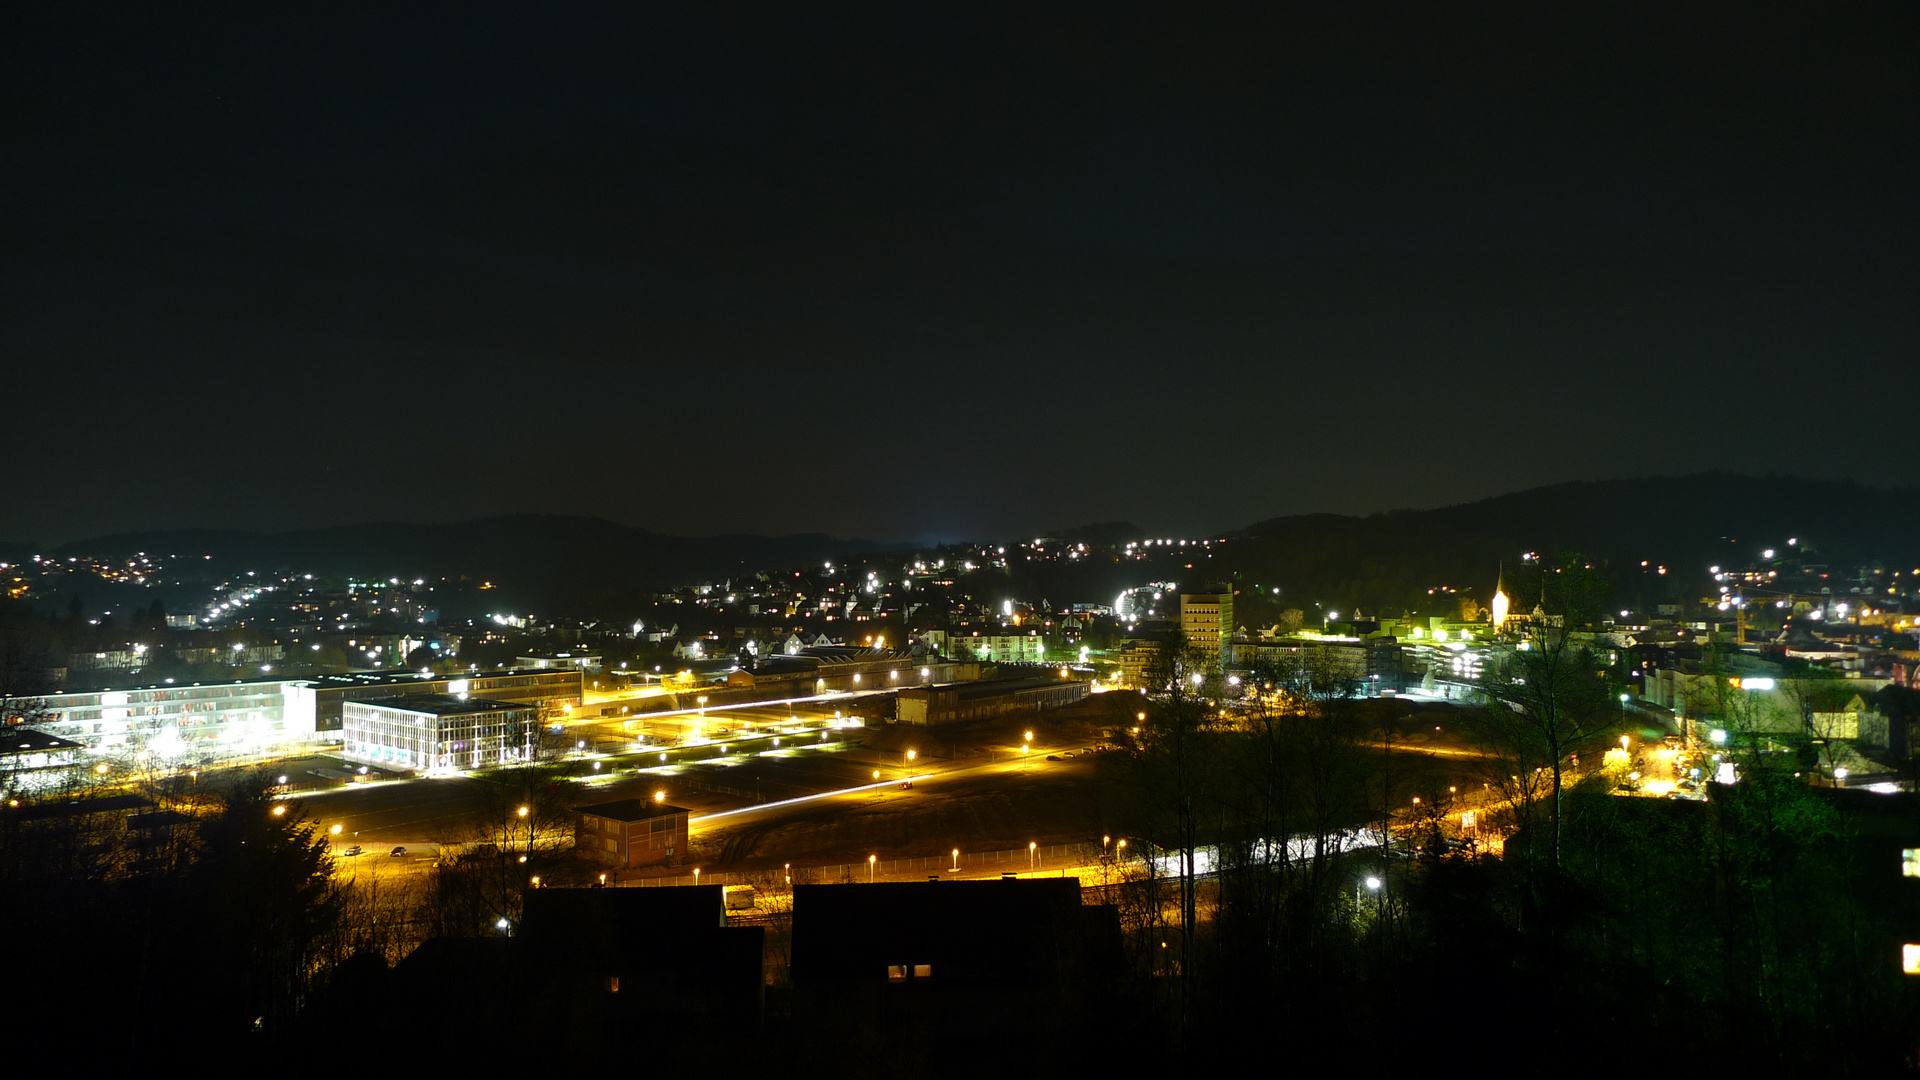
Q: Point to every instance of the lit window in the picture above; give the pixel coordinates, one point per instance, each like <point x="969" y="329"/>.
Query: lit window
<point x="899" y="971"/>
<point x="1910" y="959"/>
<point x="1910" y="862"/>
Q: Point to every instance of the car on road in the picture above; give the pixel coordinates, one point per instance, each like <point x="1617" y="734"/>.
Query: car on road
<point x="354" y="850"/>
<point x="1053" y="757"/>
<point x="397" y="852"/>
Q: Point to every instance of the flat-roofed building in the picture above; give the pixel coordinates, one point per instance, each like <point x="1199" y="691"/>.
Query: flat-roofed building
<point x="1206" y="616"/>
<point x="631" y="832"/>
<point x="315" y="702"/>
<point x="24" y="752"/>
<point x="588" y="662"/>
<point x="172" y="720"/>
<point x="958" y="702"/>
<point x="439" y="732"/>
<point x="189" y="721"/>
<point x="1008" y="645"/>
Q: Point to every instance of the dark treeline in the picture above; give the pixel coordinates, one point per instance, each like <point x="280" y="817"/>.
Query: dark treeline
<point x="155" y="916"/>
<point x="1760" y="927"/>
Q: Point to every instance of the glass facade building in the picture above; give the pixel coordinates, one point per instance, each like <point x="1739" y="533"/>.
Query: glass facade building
<point x="439" y="732"/>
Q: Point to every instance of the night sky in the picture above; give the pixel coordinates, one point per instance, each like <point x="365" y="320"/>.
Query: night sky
<point x="941" y="270"/>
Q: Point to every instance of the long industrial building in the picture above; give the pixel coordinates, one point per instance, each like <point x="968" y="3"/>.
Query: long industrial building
<point x="956" y="703"/>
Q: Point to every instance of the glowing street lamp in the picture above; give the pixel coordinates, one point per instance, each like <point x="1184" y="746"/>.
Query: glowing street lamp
<point x="1033" y="847"/>
<point x="956" y="860"/>
<point x="871" y="860"/>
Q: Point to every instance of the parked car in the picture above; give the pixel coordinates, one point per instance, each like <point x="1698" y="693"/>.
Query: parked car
<point x="397" y="852"/>
<point x="354" y="850"/>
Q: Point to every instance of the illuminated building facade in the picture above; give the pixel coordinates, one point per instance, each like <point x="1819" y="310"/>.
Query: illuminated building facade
<point x="439" y="732"/>
<point x="1207" y="619"/>
<point x="315" y="703"/>
<point x="632" y="832"/>
<point x="172" y="720"/>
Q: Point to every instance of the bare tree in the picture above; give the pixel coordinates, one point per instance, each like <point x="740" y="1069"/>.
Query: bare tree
<point x="1550" y="692"/>
<point x="24" y="681"/>
<point x="1173" y="775"/>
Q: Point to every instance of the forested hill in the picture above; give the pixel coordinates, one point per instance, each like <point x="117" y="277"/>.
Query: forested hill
<point x="541" y="561"/>
<point x="1390" y="560"/>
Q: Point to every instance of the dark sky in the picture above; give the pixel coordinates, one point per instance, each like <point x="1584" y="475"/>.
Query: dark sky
<point x="941" y="270"/>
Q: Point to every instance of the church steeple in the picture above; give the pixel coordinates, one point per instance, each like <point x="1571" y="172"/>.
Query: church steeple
<point x="1500" y="601"/>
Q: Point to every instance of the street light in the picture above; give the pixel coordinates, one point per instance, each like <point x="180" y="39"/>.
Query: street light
<point x="956" y="860"/>
<point x="1033" y="848"/>
<point x="335" y="830"/>
<point x="279" y="810"/>
<point x="871" y="859"/>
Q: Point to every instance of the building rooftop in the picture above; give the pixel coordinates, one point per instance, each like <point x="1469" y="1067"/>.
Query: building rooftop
<point x="441" y="704"/>
<point x="28" y="741"/>
<point x="632" y="809"/>
<point x="988" y="687"/>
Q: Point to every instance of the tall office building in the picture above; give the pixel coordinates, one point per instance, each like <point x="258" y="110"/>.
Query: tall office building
<point x="1207" y="618"/>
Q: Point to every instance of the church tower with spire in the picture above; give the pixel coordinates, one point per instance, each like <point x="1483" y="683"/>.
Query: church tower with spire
<point x="1500" y="601"/>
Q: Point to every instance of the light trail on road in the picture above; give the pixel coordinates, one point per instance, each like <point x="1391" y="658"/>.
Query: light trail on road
<point x="809" y="798"/>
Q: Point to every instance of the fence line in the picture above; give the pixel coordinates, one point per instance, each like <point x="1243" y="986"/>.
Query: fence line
<point x="1045" y="857"/>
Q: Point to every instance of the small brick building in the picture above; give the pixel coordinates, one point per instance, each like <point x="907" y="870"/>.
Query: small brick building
<point x="631" y="832"/>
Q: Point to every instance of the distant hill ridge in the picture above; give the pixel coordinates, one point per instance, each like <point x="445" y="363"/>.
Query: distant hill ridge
<point x="556" y="562"/>
<point x="547" y="560"/>
<point x="1390" y="559"/>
